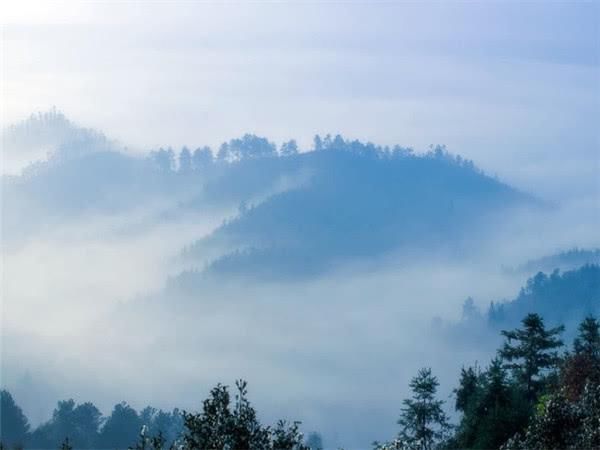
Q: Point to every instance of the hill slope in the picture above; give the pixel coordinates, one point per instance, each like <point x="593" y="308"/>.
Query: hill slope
<point x="360" y="202"/>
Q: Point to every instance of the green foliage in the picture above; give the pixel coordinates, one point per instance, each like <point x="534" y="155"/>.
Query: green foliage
<point x="560" y="424"/>
<point x="223" y="426"/>
<point x="532" y="353"/>
<point x="422" y="419"/>
<point x="493" y="408"/>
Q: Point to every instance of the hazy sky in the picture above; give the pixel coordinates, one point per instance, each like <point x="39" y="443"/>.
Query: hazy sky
<point x="513" y="85"/>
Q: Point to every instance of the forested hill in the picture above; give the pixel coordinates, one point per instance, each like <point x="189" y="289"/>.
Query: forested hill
<point x="359" y="202"/>
<point x="47" y="133"/>
<point x="558" y="297"/>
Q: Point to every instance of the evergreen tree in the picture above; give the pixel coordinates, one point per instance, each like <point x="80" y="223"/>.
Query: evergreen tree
<point x="423" y="422"/>
<point x="583" y="365"/>
<point x="468" y="387"/>
<point x="185" y="160"/>
<point x="532" y="353"/>
<point x="588" y="340"/>
<point x="493" y="410"/>
<point x="14" y="426"/>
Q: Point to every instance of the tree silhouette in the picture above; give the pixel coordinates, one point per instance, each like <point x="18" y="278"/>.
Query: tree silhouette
<point x="423" y="421"/>
<point x="14" y="426"/>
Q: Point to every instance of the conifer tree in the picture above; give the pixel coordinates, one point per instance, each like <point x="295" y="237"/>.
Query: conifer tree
<point x="530" y="351"/>
<point x="424" y="423"/>
<point x="588" y="341"/>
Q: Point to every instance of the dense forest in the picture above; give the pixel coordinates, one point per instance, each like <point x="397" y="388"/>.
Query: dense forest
<point x="534" y="394"/>
<point x="559" y="297"/>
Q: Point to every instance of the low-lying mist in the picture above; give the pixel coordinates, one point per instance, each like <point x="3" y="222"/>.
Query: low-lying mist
<point x="95" y="245"/>
<point x="87" y="314"/>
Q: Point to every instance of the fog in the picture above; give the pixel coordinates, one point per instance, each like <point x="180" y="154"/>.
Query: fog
<point x="93" y="234"/>
<point x="88" y="313"/>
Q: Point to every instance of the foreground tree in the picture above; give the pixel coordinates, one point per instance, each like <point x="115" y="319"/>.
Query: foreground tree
<point x="530" y="352"/>
<point x="493" y="409"/>
<point x="423" y="422"/>
<point x="559" y="424"/>
<point x="582" y="366"/>
<point x="14" y="426"/>
<point x="223" y="426"/>
<point x="121" y="426"/>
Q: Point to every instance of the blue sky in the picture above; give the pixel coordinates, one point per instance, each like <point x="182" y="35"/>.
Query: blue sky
<point x="513" y="85"/>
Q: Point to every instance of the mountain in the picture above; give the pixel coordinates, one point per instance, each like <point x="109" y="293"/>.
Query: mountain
<point x="45" y="134"/>
<point x="299" y="213"/>
<point x="358" y="202"/>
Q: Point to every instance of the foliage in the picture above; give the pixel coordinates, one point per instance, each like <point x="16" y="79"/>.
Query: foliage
<point x="121" y="426"/>
<point x="493" y="409"/>
<point x="423" y="421"/>
<point x="561" y="424"/>
<point x="532" y="353"/>
<point x="14" y="426"/>
<point x="80" y="423"/>
<point x="223" y="426"/>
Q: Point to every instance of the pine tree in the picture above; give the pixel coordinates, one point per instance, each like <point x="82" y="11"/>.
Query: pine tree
<point x="423" y="421"/>
<point x="588" y="341"/>
<point x="532" y="353"/>
<point x="468" y="386"/>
